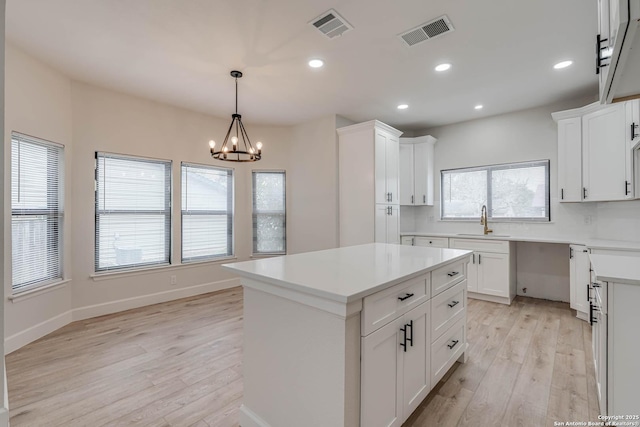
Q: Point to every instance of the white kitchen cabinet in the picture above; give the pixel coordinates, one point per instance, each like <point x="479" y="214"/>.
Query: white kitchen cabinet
<point x="491" y="273"/>
<point x="605" y="171"/>
<point x="570" y="159"/>
<point x="417" y="171"/>
<point x="387" y="224"/>
<point x="406" y="240"/>
<point x="596" y="152"/>
<point x="386" y="166"/>
<point x="429" y="241"/>
<point x="618" y="46"/>
<point x="368" y="164"/>
<point x="579" y="278"/>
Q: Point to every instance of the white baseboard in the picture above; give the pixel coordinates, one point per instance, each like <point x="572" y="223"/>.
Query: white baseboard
<point x="248" y="418"/>
<point x="31" y="334"/>
<point x="490" y="298"/>
<point x="22" y="338"/>
<point x="144" y="300"/>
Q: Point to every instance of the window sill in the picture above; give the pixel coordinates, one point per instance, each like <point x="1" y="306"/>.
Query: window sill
<point x="110" y="275"/>
<point x="30" y="293"/>
<point x="260" y="256"/>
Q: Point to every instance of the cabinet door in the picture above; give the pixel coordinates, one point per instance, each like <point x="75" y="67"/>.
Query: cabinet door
<point x="407" y="240"/>
<point x="493" y="274"/>
<point x="382" y="213"/>
<point x="380" y="154"/>
<point x="381" y="377"/>
<point x="472" y="273"/>
<point x="570" y="160"/>
<point x="393" y="225"/>
<point x="633" y="129"/>
<point x="406" y="175"/>
<point x="416" y="359"/>
<point x="392" y="166"/>
<point x="579" y="276"/>
<point x="423" y="171"/>
<point x="604" y="144"/>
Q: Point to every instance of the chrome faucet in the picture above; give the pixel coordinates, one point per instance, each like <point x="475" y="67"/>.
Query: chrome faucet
<point x="484" y="221"/>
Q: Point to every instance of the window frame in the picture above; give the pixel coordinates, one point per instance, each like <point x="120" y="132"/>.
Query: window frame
<point x="230" y="214"/>
<point x="168" y="211"/>
<point x="254" y="214"/>
<point x="500" y="167"/>
<point x="49" y="212"/>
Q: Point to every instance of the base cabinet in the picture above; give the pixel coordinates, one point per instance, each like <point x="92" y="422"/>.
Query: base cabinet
<point x="579" y="278"/>
<point x="402" y="360"/>
<point x="387" y="224"/>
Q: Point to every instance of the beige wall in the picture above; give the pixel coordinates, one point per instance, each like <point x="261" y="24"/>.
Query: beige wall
<point x="44" y="103"/>
<point x="313" y="178"/>
<point x="38" y="103"/>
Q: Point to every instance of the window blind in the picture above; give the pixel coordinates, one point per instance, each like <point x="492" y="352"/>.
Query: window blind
<point x="207" y="212"/>
<point x="269" y="212"/>
<point x="133" y="212"/>
<point x="36" y="212"/>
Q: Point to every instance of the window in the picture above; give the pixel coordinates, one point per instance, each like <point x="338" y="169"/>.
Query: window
<point x="207" y="212"/>
<point x="516" y="191"/>
<point x="133" y="212"/>
<point x="269" y="212"/>
<point x="36" y="212"/>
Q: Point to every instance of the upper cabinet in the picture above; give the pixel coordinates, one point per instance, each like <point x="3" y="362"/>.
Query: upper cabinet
<point x="417" y="171"/>
<point x="618" y="49"/>
<point x="368" y="167"/>
<point x="596" y="152"/>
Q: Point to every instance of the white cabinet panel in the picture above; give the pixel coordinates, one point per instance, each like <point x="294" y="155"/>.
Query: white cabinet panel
<point x="392" y="167"/>
<point x="381" y="404"/>
<point x="423" y="161"/>
<point x="387" y="224"/>
<point x="406" y="175"/>
<point x="472" y="274"/>
<point x="579" y="277"/>
<point x="407" y="240"/>
<point x="434" y="242"/>
<point x="493" y="274"/>
<point x="416" y="359"/>
<point x="605" y="157"/>
<point x="570" y="160"/>
<point x="380" y="169"/>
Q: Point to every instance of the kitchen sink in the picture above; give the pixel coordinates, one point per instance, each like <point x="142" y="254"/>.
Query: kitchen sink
<point x="482" y="235"/>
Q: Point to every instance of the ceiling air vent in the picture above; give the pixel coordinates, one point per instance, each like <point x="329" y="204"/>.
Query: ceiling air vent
<point x="428" y="30"/>
<point x="331" y="24"/>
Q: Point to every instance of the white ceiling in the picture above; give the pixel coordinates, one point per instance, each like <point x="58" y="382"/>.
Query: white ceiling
<point x="181" y="51"/>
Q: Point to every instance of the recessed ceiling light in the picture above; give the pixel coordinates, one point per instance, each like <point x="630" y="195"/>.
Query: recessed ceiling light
<point x="443" y="67"/>
<point x="478" y="107"/>
<point x="316" y="63"/>
<point x="563" y="64"/>
<point x="403" y="107"/>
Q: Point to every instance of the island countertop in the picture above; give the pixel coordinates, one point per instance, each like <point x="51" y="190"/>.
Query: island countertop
<point x="349" y="273"/>
<point x="616" y="269"/>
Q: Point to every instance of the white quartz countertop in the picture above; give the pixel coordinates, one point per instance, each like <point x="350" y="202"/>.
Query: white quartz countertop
<point x="569" y="240"/>
<point x="350" y="273"/>
<point x="616" y="268"/>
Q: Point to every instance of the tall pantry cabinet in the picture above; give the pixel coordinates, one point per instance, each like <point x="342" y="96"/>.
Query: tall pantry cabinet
<point x="369" y="187"/>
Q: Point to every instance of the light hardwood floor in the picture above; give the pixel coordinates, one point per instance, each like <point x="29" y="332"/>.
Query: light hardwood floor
<point x="179" y="364"/>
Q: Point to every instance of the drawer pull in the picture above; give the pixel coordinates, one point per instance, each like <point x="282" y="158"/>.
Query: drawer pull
<point x="453" y="273"/>
<point x="407" y="296"/>
<point x="595" y="285"/>
<point x="455" y="342"/>
<point x="453" y="303"/>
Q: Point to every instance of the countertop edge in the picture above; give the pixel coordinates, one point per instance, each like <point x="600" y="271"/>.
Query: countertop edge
<point x="297" y="287"/>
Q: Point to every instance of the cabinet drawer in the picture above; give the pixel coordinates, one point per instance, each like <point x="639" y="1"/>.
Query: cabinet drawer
<point x="445" y="277"/>
<point x="434" y="242"/>
<point x="384" y="306"/>
<point x="448" y="308"/>
<point x="497" y="246"/>
<point x="446" y="349"/>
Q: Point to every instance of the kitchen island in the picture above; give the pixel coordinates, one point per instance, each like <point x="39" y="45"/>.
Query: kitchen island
<point x="355" y="336"/>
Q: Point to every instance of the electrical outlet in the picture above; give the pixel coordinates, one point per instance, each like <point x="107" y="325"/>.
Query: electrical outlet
<point x="430" y="218"/>
<point x="587" y="220"/>
<point x="173" y="280"/>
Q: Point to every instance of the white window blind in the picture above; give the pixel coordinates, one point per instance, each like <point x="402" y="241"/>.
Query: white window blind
<point x="36" y="212"/>
<point x="133" y="212"/>
<point x="514" y="191"/>
<point x="207" y="212"/>
<point x="269" y="212"/>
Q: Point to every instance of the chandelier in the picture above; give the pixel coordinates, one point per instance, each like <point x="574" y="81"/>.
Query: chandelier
<point x="232" y="149"/>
